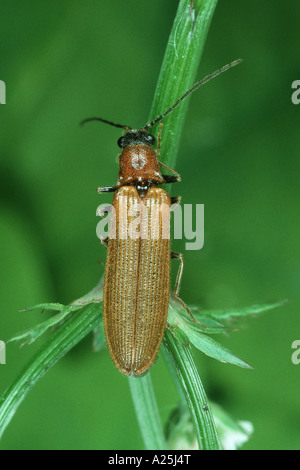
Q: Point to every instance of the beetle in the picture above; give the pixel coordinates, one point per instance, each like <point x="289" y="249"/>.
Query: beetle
<point x="137" y="272"/>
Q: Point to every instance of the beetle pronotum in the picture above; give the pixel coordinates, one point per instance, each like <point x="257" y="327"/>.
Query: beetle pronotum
<point x="137" y="273"/>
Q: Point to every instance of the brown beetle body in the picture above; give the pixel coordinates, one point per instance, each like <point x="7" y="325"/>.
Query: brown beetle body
<point x="137" y="273"/>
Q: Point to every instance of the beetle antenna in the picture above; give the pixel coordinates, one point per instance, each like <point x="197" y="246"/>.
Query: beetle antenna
<point x="127" y="128"/>
<point x="187" y="93"/>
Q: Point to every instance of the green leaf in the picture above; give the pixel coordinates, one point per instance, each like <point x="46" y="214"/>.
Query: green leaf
<point x="230" y="313"/>
<point x="178" y="317"/>
<point x="188" y="331"/>
<point x="210" y="347"/>
<point x="75" y="328"/>
<point x="32" y="334"/>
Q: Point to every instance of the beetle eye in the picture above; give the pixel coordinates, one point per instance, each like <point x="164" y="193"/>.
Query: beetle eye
<point x="121" y="142"/>
<point x="151" y="139"/>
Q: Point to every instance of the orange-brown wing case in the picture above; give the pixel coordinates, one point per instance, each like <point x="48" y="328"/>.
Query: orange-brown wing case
<point x="137" y="278"/>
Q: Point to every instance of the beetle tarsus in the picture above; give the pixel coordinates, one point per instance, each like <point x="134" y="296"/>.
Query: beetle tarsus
<point x="107" y="189"/>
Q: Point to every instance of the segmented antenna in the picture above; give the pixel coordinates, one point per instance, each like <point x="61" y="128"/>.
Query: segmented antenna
<point x="187" y="93"/>
<point x="127" y="128"/>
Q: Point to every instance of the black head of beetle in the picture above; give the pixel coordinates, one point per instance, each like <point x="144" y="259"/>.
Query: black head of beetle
<point x="136" y="137"/>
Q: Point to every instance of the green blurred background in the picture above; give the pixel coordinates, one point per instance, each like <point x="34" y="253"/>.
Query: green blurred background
<point x="65" y="61"/>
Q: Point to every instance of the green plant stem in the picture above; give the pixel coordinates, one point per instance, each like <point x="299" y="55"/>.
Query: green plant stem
<point x="179" y="69"/>
<point x="60" y="343"/>
<point x="147" y="412"/>
<point x="194" y="392"/>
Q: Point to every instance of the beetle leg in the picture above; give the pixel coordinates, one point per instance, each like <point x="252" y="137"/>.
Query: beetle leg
<point x="178" y="283"/>
<point x="175" y="178"/>
<point x="180" y="272"/>
<point x="107" y="189"/>
<point x="170" y="179"/>
<point x="104" y="241"/>
<point x="175" y="200"/>
<point x="159" y="139"/>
